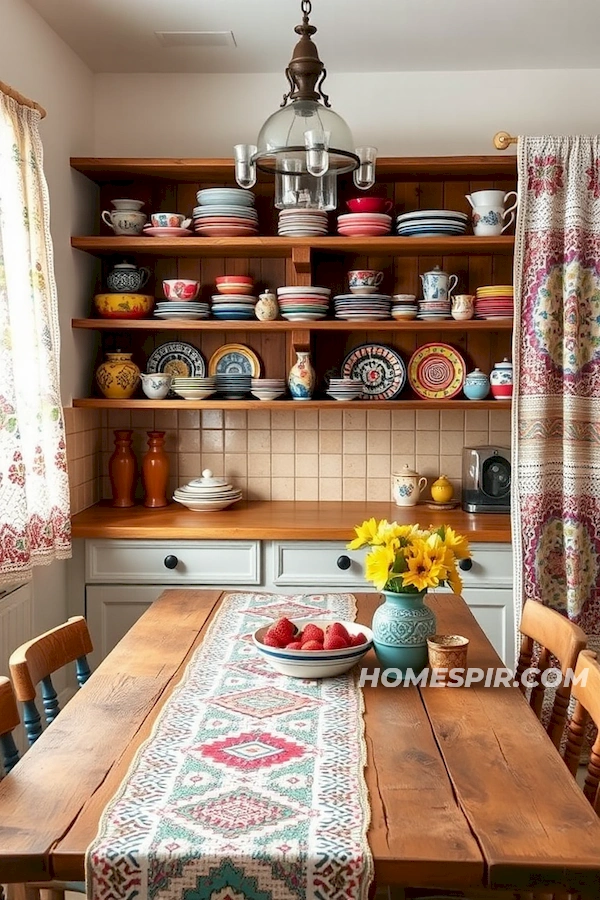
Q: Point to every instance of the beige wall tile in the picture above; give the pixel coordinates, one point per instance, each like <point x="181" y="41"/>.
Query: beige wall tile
<point x="379" y="441"/>
<point x="259" y="489"/>
<point x="354" y="466"/>
<point x="403" y="443"/>
<point x="259" y="465"/>
<point x="378" y="466"/>
<point x="282" y="419"/>
<point x="379" y="489"/>
<point x="236" y="418"/>
<point x="69" y="419"/>
<point x="283" y="465"/>
<point x="451" y="467"/>
<point x="307" y="465"/>
<point x="235" y="465"/>
<point x="476" y="419"/>
<point x="378" y="419"/>
<point x="189" y="465"/>
<point x="119" y="418"/>
<point x="235" y="441"/>
<point x="427" y="420"/>
<point x="355" y="419"/>
<point x="167" y="419"/>
<point x="142" y="418"/>
<point x="189" y="441"/>
<point x="354" y="489"/>
<point x="307" y="489"/>
<point x="307" y="441"/>
<point x="213" y="461"/>
<point x="451" y="442"/>
<point x="330" y="465"/>
<point x="403" y="419"/>
<point x="330" y="441"/>
<point x="399" y="462"/>
<point x="500" y="438"/>
<point x="500" y="419"/>
<point x="259" y="441"/>
<point x="259" y="419"/>
<point x="330" y="488"/>
<point x="476" y="438"/>
<point x="428" y="466"/>
<point x="189" y="418"/>
<point x="452" y="420"/>
<point x="307" y="419"/>
<point x="427" y="443"/>
<point x="282" y="488"/>
<point x="330" y="419"/>
<point x="283" y="441"/>
<point x="354" y="442"/>
<point x="211" y="418"/>
<point x="211" y="441"/>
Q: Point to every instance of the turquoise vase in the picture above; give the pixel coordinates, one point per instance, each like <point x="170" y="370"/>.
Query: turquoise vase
<point x="401" y="627"/>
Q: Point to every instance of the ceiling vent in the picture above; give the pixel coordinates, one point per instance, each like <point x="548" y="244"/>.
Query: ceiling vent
<point x="196" y="38"/>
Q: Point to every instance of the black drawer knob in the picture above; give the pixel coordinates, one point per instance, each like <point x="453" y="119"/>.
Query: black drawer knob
<point x="344" y="562"/>
<point x="171" y="561"/>
<point x="465" y="564"/>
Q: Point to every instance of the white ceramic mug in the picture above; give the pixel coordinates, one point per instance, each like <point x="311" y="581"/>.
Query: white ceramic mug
<point x="488" y="220"/>
<point x="407" y="487"/>
<point x="123" y="221"/>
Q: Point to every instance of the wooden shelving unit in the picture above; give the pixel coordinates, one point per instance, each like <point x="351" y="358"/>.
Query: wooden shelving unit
<point x="213" y="403"/>
<point x="282" y="325"/>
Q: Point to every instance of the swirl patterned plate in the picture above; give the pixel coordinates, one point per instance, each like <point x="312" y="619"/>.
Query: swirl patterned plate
<point x="436" y="372"/>
<point x="177" y="358"/>
<point x="380" y="368"/>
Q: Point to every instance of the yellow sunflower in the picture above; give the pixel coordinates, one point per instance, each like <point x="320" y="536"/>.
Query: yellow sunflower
<point x="369" y="533"/>
<point x="424" y="570"/>
<point x="378" y="564"/>
<point x="456" y="542"/>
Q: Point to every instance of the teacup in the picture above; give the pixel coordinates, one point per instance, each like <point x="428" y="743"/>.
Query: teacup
<point x="463" y="307"/>
<point x="364" y="281"/>
<point x="123" y="221"/>
<point x="131" y="205"/>
<point x="157" y="385"/>
<point x="169" y="220"/>
<point x="181" y="289"/>
<point x="369" y="205"/>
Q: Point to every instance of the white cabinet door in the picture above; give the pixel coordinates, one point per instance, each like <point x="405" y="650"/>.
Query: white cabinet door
<point x="493" y="609"/>
<point x="111" y="610"/>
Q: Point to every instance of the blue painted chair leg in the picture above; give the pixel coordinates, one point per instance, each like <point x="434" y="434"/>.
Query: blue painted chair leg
<point x="31" y="721"/>
<point x="49" y="699"/>
<point x="82" y="669"/>
<point x="10" y="754"/>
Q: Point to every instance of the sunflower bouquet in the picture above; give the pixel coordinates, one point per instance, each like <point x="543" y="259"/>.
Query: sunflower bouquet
<point x="408" y="559"/>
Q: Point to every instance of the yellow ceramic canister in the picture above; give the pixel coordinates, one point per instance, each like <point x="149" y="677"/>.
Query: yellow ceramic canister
<point x="118" y="376"/>
<point x="442" y="490"/>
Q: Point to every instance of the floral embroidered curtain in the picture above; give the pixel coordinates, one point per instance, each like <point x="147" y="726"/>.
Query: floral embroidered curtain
<point x="556" y="406"/>
<point x="34" y="491"/>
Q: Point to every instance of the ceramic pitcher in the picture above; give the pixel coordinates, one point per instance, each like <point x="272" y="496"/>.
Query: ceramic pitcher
<point x="438" y="285"/>
<point x="407" y="486"/>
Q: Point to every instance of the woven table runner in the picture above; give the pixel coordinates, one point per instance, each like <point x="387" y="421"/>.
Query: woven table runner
<point x="251" y="786"/>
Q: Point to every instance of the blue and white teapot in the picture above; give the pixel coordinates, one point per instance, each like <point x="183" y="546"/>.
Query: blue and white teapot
<point x="438" y="285"/>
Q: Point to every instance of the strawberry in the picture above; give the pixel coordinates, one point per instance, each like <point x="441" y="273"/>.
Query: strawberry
<point x="313" y="633"/>
<point x="339" y="629"/>
<point x="299" y="636"/>
<point x="312" y="645"/>
<point x="271" y="641"/>
<point x="357" y="639"/>
<point x="283" y="631"/>
<point x="334" y="642"/>
<point x="295" y="645"/>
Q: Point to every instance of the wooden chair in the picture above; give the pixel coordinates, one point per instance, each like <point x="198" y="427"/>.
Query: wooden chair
<point x="587" y="707"/>
<point x="35" y="661"/>
<point x="560" y="638"/>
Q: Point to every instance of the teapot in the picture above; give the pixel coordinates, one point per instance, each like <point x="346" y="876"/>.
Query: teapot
<point x="125" y="278"/>
<point x="438" y="285"/>
<point x="407" y="486"/>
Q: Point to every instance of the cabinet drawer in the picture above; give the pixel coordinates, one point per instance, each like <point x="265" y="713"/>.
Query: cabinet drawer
<point x="200" y="562"/>
<point x="317" y="563"/>
<point x="492" y="566"/>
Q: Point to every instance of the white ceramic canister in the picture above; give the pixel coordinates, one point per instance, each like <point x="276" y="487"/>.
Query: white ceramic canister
<point x="266" y="308"/>
<point x="501" y="379"/>
<point x="407" y="486"/>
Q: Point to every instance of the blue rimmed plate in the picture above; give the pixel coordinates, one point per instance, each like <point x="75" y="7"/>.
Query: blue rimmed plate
<point x="380" y="368"/>
<point x="177" y="358"/>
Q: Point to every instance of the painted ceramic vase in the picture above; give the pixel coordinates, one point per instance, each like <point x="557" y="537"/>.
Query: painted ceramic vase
<point x="477" y="385"/>
<point x="266" y="308"/>
<point x="442" y="490"/>
<point x="155" y="471"/>
<point x="501" y="380"/>
<point x="122" y="470"/>
<point x="118" y="376"/>
<point x="301" y="379"/>
<point x="401" y="627"/>
<point x="125" y="278"/>
<point x="407" y="486"/>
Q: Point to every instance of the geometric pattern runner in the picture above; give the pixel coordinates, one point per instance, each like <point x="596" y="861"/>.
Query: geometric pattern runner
<point x="251" y="785"/>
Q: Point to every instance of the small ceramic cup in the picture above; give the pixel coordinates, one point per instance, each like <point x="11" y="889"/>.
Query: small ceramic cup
<point x="181" y="289"/>
<point x="463" y="307"/>
<point x="447" y="652"/>
<point x="169" y="220"/>
<point x="124" y="221"/>
<point x="157" y="385"/>
<point x="490" y="221"/>
<point x="364" y="281"/>
<point x="126" y="204"/>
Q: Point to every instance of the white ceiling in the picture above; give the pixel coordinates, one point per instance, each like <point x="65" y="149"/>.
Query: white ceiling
<point x="353" y="36"/>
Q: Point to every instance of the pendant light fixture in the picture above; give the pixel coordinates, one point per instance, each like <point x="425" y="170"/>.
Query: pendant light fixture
<point x="305" y="144"/>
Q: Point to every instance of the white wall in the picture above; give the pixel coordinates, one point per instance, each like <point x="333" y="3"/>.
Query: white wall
<point x="35" y="61"/>
<point x="402" y="113"/>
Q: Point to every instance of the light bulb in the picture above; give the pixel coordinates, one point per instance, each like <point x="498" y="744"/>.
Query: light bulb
<point x="316" y="142"/>
<point x="245" y="167"/>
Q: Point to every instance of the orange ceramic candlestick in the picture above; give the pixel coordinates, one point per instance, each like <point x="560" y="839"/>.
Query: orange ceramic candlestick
<point x="122" y="470"/>
<point x="155" y="470"/>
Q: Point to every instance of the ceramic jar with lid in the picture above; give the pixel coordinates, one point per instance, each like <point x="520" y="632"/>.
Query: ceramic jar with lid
<point x="407" y="486"/>
<point x="477" y="385"/>
<point x="125" y="278"/>
<point x="438" y="285"/>
<point x="118" y="376"/>
<point x="501" y="380"/>
<point x="442" y="490"/>
<point x="266" y="308"/>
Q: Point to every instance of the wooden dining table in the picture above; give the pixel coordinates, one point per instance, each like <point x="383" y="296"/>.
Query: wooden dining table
<point x="466" y="789"/>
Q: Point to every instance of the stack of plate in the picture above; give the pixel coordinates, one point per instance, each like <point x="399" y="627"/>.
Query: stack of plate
<point x="344" y="388"/>
<point x="302" y="222"/>
<point x="495" y="301"/>
<point x="435" y="310"/>
<point x="225" y="212"/>
<point x="193" y="388"/>
<point x="187" y="309"/>
<point x="362" y="307"/>
<point x="268" y="388"/>
<point x="364" y="224"/>
<point x="303" y="304"/>
<point x="432" y="223"/>
<point x="233" y="306"/>
<point x="404" y="306"/>
<point x="233" y="386"/>
<point x="207" y="494"/>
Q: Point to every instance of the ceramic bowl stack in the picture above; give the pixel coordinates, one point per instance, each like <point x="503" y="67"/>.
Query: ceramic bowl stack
<point x="434" y="310"/>
<point x="235" y="386"/>
<point x="207" y="494"/>
<point x="225" y="212"/>
<point x="302" y="223"/>
<point x="432" y="223"/>
<point x="194" y="388"/>
<point x="364" y="224"/>
<point x="303" y="304"/>
<point x="344" y="388"/>
<point x="267" y="388"/>
<point x="362" y="307"/>
<point x="404" y="306"/>
<point x="495" y="301"/>
<point x="233" y="306"/>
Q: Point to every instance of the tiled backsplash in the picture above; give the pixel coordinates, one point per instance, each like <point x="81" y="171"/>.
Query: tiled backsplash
<point x="288" y="454"/>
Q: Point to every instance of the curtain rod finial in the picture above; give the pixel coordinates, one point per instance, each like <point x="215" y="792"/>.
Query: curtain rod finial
<point x="503" y="140"/>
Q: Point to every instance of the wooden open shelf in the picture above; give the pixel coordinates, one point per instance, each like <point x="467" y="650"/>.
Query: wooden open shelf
<point x="213" y="403"/>
<point x="283" y="248"/>
<point x="282" y="325"/>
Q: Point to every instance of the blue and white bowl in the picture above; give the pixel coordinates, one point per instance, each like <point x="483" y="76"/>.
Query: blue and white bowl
<point x="314" y="663"/>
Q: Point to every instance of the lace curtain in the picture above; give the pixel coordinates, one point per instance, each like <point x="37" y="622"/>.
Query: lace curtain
<point x="34" y="491"/>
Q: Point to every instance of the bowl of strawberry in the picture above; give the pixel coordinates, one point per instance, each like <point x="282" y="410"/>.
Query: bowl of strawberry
<point x="313" y="648"/>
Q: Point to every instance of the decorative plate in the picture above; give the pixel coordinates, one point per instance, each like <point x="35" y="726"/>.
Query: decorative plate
<point x="436" y="372"/>
<point x="380" y="368"/>
<point x="177" y="358"/>
<point x="234" y="359"/>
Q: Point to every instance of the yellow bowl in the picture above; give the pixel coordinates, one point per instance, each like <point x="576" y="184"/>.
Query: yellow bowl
<point x="123" y="306"/>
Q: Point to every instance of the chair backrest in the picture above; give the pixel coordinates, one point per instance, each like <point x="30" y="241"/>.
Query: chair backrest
<point x="9" y="719"/>
<point x="34" y="662"/>
<point x="586" y="690"/>
<point x="559" y="638"/>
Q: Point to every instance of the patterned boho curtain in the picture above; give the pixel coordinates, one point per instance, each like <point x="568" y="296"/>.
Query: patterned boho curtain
<point x="34" y="491"/>
<point x="556" y="406"/>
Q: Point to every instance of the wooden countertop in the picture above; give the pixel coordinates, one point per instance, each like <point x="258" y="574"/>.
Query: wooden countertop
<point x="278" y="520"/>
